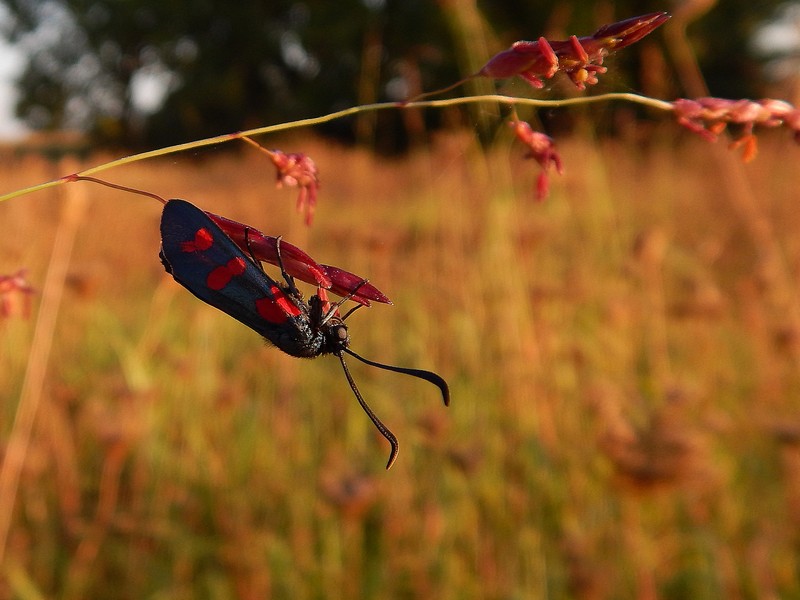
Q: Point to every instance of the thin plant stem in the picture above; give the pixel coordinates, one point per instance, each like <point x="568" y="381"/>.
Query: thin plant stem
<point x="310" y="122"/>
<point x="38" y="359"/>
<point x="108" y="497"/>
<point x="256" y="145"/>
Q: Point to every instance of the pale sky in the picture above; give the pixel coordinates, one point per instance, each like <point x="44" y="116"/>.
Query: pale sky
<point x="10" y="64"/>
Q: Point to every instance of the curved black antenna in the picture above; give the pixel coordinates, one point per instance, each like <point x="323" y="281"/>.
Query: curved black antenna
<point x="373" y="417"/>
<point x="419" y="373"/>
<point x="335" y="306"/>
<point x="351" y="311"/>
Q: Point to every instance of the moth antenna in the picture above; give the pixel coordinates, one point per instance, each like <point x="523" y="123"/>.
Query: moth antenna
<point x="418" y="373"/>
<point x="352" y="310"/>
<point x="335" y="307"/>
<point x="385" y="432"/>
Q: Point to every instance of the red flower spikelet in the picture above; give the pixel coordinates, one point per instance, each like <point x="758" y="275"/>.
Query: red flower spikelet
<point x="581" y="59"/>
<point x="709" y="117"/>
<point x="298" y="170"/>
<point x="541" y="149"/>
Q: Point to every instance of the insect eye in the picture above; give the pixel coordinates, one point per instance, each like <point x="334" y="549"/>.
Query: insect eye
<point x="341" y="333"/>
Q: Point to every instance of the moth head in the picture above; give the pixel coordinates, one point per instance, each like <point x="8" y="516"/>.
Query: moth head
<point x="337" y="337"/>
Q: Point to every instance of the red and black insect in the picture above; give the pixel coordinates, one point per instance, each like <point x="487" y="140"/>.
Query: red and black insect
<point x="203" y="259"/>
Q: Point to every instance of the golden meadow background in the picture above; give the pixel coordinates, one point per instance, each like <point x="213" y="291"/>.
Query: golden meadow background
<point x="623" y="361"/>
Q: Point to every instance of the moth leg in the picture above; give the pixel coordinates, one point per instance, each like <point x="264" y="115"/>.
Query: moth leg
<point x="250" y="249"/>
<point x="288" y="278"/>
<point x="292" y="288"/>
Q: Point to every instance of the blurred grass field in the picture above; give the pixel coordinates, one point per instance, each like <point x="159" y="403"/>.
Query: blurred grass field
<point x="623" y="361"/>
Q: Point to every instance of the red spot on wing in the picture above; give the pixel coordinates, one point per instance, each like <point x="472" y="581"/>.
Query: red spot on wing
<point x="270" y="311"/>
<point x="278" y="308"/>
<point x="222" y="275"/>
<point x="202" y="241"/>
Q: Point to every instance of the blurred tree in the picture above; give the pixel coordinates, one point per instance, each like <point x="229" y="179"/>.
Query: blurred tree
<point x="152" y="72"/>
<point x="156" y="72"/>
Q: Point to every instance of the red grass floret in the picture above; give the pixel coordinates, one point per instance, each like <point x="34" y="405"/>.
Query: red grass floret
<point x="295" y="169"/>
<point x="298" y="170"/>
<point x="541" y="149"/>
<point x="709" y="117"/>
<point x="15" y="294"/>
<point x="581" y="59"/>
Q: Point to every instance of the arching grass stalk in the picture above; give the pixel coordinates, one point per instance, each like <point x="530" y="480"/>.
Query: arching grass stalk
<point x="221" y="139"/>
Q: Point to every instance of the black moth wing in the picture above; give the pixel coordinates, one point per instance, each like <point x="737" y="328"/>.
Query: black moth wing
<point x="204" y="260"/>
